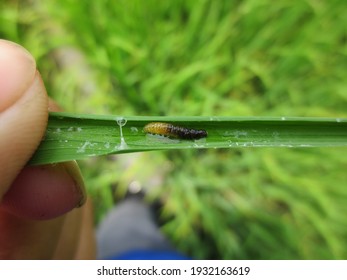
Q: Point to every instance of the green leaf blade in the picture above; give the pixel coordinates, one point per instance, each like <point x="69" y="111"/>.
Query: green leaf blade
<point x="77" y="137"/>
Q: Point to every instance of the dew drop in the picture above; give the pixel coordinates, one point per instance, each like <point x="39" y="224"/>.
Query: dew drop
<point x="134" y="130"/>
<point x="82" y="149"/>
<point x="121" y="122"/>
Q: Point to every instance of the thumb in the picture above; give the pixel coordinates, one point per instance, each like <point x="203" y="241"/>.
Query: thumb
<point x="23" y="111"/>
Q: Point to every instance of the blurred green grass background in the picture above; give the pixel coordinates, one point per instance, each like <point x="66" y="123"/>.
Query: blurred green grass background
<point x="224" y="58"/>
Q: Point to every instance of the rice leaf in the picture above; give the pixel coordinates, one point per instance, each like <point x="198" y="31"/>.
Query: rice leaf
<point x="76" y="137"/>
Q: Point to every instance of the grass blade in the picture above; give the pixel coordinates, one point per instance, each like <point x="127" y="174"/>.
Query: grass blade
<point x="76" y="137"/>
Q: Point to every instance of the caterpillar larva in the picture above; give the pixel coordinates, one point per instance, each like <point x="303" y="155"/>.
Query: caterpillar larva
<point x="173" y="131"/>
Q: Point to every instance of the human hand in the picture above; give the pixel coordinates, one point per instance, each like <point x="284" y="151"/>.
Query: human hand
<point x="34" y="200"/>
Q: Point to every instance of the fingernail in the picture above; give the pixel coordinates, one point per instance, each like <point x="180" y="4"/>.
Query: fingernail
<point x="17" y="71"/>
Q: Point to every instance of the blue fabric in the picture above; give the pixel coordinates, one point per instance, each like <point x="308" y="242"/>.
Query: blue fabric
<point x="149" y="255"/>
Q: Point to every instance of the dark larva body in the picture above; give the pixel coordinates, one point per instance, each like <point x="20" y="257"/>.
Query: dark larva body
<point x="172" y="131"/>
